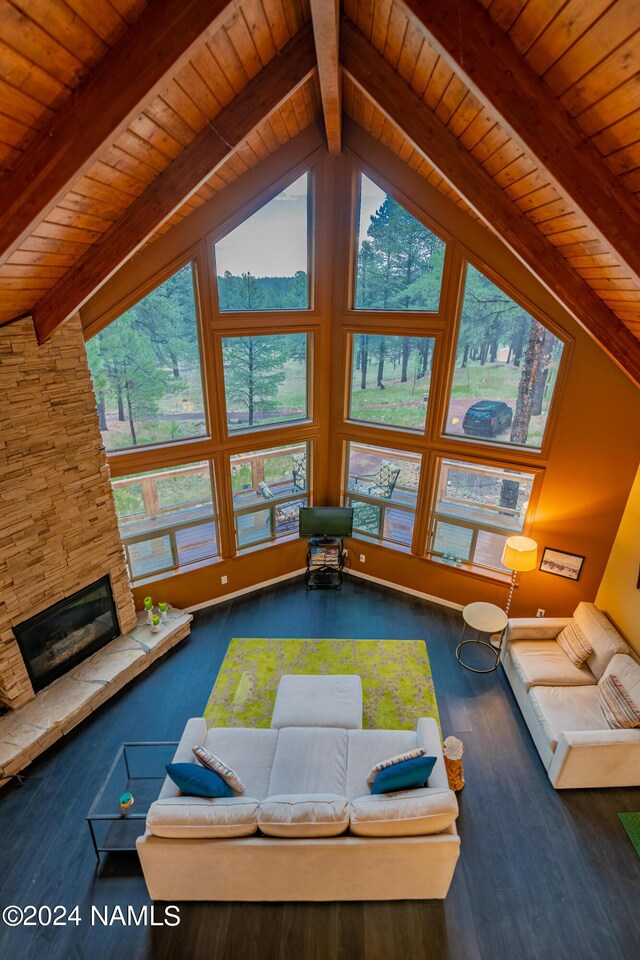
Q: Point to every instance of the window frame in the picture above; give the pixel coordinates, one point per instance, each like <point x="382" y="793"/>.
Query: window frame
<point x="191" y="256"/>
<point x="497" y="447"/>
<point x="274" y="330"/>
<point x="359" y="168"/>
<point x="349" y="495"/>
<point x="244" y="214"/>
<point x="270" y="505"/>
<point x="170" y="529"/>
<point x="536" y="474"/>
<point x="427" y="333"/>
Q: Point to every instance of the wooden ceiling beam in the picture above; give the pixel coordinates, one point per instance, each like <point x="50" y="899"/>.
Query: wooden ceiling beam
<point x="157" y="45"/>
<point x="405" y="109"/>
<point x="264" y="94"/>
<point x="325" y="16"/>
<point x="486" y="60"/>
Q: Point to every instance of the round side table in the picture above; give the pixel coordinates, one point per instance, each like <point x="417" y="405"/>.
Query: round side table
<point x="483" y="618"/>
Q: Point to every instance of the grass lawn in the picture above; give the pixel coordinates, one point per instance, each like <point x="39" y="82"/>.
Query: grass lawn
<point x="399" y="404"/>
<point x="290" y="402"/>
<point x="180" y="416"/>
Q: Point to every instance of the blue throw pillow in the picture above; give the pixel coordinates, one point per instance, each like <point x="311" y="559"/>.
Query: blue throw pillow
<point x="197" y="781"/>
<point x="407" y="775"/>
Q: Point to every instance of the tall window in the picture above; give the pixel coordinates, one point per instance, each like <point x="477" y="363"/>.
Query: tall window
<point x="146" y="370"/>
<point x="399" y="261"/>
<point x="476" y="508"/>
<point x="265" y="379"/>
<point x="269" y="487"/>
<point x="390" y="380"/>
<point x="505" y="369"/>
<point x="382" y="487"/>
<point x="166" y="518"/>
<point x="263" y="263"/>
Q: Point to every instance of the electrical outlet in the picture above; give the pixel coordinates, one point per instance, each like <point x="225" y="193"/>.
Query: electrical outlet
<point x="362" y="558"/>
<point x="223" y="579"/>
<point x="539" y="612"/>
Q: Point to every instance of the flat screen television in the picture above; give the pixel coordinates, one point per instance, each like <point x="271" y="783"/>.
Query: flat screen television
<point x="326" y="522"/>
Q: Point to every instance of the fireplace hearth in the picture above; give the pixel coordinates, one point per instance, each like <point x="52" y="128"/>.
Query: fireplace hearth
<point x="67" y="633"/>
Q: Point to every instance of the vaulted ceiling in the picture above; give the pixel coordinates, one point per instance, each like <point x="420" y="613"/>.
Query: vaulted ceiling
<point x="119" y="117"/>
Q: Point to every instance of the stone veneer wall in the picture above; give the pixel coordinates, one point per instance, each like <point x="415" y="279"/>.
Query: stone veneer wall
<point x="58" y="526"/>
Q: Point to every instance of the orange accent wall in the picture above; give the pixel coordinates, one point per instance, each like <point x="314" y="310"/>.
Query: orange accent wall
<point x="589" y="459"/>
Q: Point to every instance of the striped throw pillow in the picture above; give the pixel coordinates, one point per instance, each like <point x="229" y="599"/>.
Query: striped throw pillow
<point x="218" y="766"/>
<point x="575" y="644"/>
<point x="619" y="710"/>
<point x="391" y="762"/>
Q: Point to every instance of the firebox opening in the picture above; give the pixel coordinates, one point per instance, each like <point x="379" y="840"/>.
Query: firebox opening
<point x="67" y="633"/>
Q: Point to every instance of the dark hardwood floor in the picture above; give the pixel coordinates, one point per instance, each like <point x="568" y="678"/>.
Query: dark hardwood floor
<point x="541" y="874"/>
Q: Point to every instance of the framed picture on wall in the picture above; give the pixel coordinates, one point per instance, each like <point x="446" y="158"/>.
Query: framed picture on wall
<point x="561" y="564"/>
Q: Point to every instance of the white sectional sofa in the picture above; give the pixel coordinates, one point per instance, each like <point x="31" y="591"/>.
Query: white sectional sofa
<point x="307" y="826"/>
<point x="559" y="700"/>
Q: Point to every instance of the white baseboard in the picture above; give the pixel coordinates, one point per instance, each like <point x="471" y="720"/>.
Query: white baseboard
<point x="241" y="593"/>
<point x="299" y="573"/>
<point x="413" y="593"/>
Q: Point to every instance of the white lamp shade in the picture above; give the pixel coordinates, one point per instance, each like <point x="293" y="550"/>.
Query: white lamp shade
<point x="520" y="554"/>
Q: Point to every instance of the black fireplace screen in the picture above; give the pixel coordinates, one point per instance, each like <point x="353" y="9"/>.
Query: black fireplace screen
<point x="62" y="636"/>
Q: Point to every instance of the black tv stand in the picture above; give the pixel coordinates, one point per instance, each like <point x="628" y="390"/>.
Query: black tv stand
<point x="325" y="563"/>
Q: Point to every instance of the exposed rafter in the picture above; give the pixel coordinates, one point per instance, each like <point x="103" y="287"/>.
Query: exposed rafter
<point x="264" y="94"/>
<point x="325" y="15"/>
<point x="486" y="60"/>
<point x="130" y="74"/>
<point x="422" y="127"/>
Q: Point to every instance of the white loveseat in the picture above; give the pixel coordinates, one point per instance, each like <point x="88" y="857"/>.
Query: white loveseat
<point x="307" y="826"/>
<point x="559" y="700"/>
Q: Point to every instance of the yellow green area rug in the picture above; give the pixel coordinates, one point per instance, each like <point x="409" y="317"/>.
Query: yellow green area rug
<point x="396" y="679"/>
<point x="631" y="823"/>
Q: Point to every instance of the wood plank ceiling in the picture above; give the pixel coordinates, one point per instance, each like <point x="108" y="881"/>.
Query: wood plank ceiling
<point x="39" y="73"/>
<point x="585" y="52"/>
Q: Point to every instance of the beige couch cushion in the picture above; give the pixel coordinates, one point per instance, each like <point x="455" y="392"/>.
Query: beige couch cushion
<point x="601" y="634"/>
<point x="323" y="700"/>
<point x="620" y="702"/>
<point x="561" y="709"/>
<point x="407" y="813"/>
<point x="194" y="817"/>
<point x="367" y="747"/>
<point x="627" y="670"/>
<point x="544" y="663"/>
<point x="249" y="751"/>
<point x="574" y="643"/>
<point x="304" y="815"/>
<point x="309" y="760"/>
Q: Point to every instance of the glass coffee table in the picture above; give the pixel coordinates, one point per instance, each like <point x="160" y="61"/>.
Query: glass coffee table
<point x="139" y="769"/>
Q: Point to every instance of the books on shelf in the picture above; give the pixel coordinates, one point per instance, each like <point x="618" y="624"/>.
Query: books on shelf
<point x="324" y="557"/>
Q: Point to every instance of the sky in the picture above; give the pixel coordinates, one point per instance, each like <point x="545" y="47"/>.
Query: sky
<point x="273" y="242"/>
<point x="371" y="197"/>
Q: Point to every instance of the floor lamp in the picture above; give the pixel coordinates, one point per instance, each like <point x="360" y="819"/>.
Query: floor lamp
<point x="520" y="554"/>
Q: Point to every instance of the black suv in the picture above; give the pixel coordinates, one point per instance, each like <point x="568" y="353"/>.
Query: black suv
<point x="487" y="418"/>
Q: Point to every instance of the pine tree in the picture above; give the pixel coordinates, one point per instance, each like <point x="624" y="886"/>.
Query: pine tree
<point x="400" y="262"/>
<point x="123" y="357"/>
<point x="167" y="316"/>
<point x="253" y="371"/>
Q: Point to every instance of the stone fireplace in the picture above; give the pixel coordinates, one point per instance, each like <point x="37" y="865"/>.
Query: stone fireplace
<point x="58" y="527"/>
<point x="59" y="638"/>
